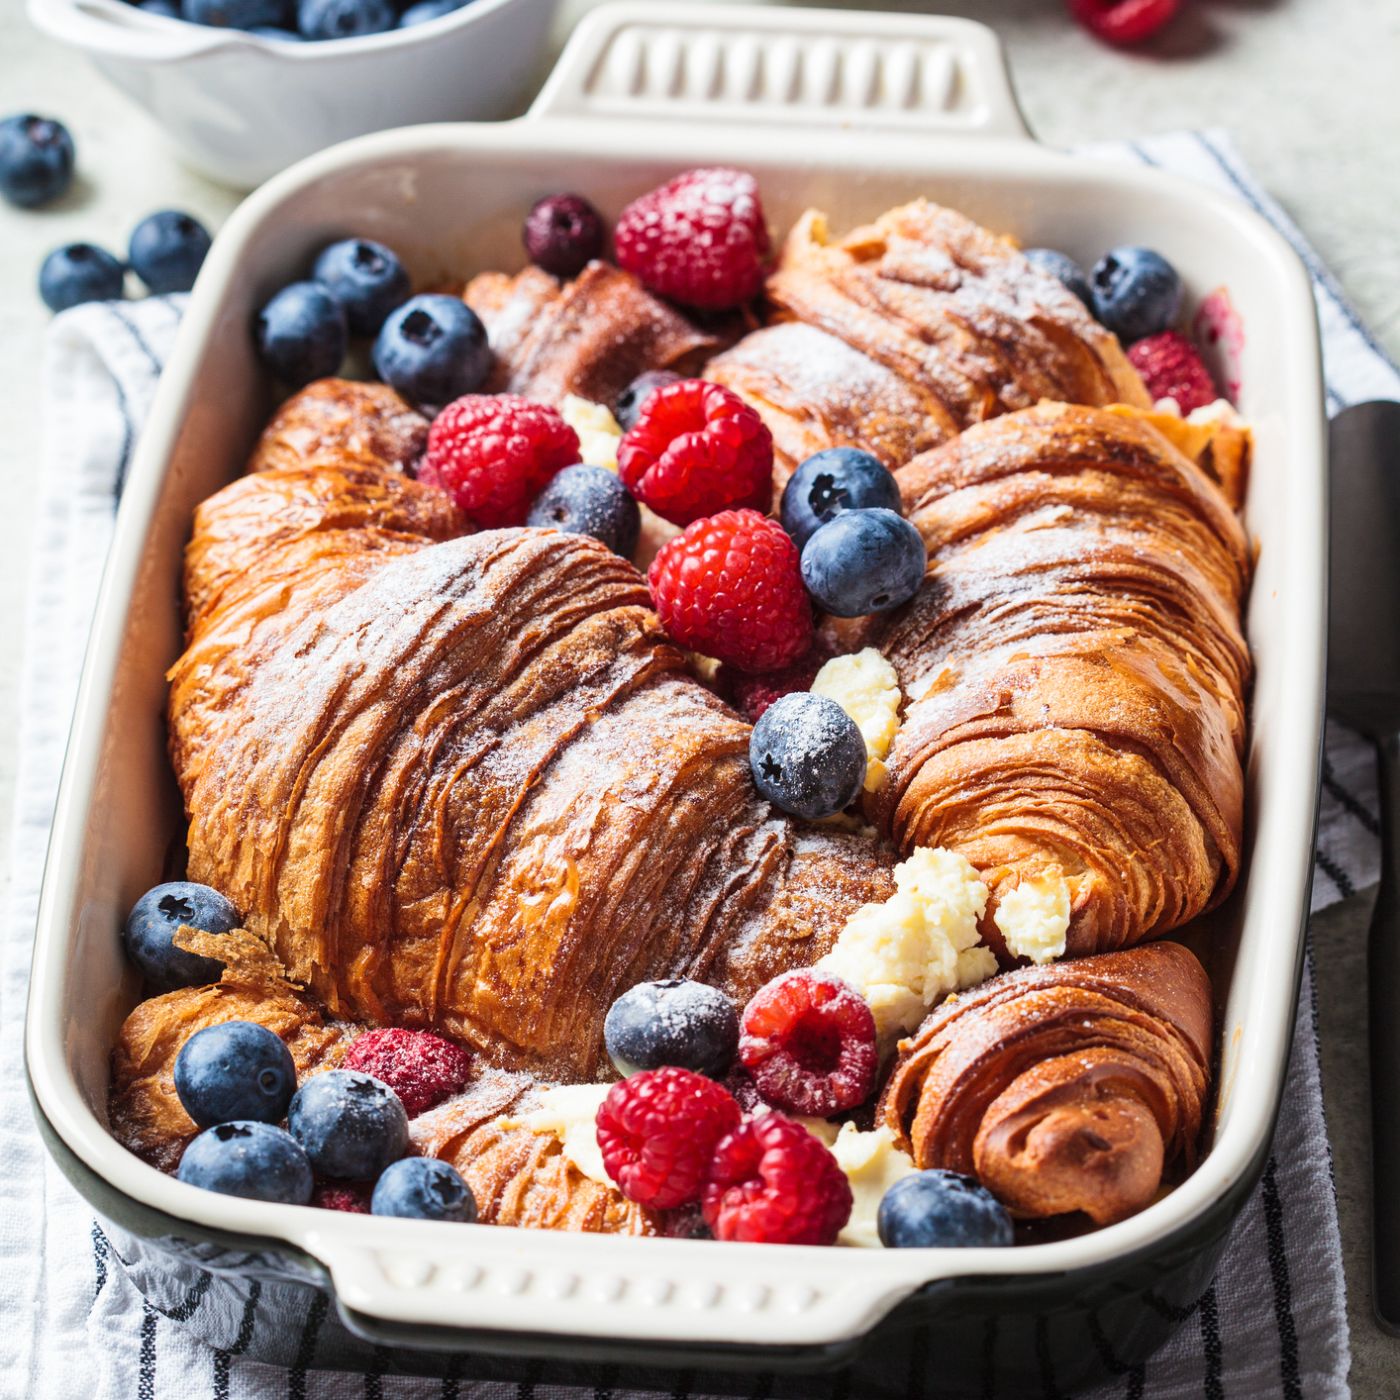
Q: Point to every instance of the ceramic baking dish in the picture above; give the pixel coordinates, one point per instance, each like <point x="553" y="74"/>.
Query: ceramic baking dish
<point x="852" y="113"/>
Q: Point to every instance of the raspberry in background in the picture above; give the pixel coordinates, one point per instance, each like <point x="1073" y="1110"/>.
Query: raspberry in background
<point x="772" y="1182"/>
<point x="1124" y="22"/>
<point x="352" y="1197"/>
<point x="423" y="1069"/>
<point x="700" y="239"/>
<point x="730" y="586"/>
<point x="696" y="449"/>
<point x="1172" y="368"/>
<point x="657" y="1131"/>
<point x="494" y="453"/>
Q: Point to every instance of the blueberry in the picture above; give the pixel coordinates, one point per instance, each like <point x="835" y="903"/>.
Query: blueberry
<point x="167" y="9"/>
<point x="281" y="36"/>
<point x="590" y="501"/>
<point x="426" y="10"/>
<point x="36" y="159"/>
<point x="563" y="234"/>
<point x="423" y="1188"/>
<point x="942" y="1210"/>
<point x="834" y="481"/>
<point x="366" y="278"/>
<point x="344" y="19"/>
<point x="865" y="561"/>
<point x="677" y="1022"/>
<point x="1136" y="292"/>
<point x="1063" y="268"/>
<point x="235" y="1070"/>
<point x="236" y="14"/>
<point x="79" y="272"/>
<point x="807" y="755"/>
<point x="433" y="349"/>
<point x="153" y="922"/>
<point x="351" y="1125"/>
<point x="301" y="334"/>
<point x="252" y="1159"/>
<point x="630" y="400"/>
<point x="167" y="250"/>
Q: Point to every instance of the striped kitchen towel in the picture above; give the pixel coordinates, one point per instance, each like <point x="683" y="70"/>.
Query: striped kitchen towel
<point x="1273" y="1322"/>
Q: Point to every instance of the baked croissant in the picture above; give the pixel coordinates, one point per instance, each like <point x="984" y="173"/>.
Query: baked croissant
<point x="1065" y="1088"/>
<point x="907" y="331"/>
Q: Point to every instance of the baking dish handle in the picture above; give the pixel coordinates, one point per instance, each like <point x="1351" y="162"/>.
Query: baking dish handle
<point x="809" y="70"/>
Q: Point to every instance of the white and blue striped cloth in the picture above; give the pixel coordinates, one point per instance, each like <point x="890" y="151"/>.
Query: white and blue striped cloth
<point x="1273" y="1322"/>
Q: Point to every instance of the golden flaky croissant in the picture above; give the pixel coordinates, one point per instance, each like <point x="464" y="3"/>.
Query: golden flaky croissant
<point x="905" y="332"/>
<point x="1064" y="1088"/>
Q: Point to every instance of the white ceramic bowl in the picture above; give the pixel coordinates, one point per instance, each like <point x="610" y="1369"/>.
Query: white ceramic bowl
<point x="239" y="108"/>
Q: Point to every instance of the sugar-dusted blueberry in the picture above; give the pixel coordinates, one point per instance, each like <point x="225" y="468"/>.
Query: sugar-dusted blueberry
<point x="585" y="500"/>
<point x="235" y="1070"/>
<point x="864" y="561"/>
<point x="78" y="273"/>
<point x="807" y="756"/>
<point x="344" y="19"/>
<point x="426" y="10"/>
<point x="1137" y="292"/>
<point x="251" y="1159"/>
<point x="350" y="1125"/>
<point x="424" y="1188"/>
<point x="158" y="915"/>
<point x="1063" y="268"/>
<point x="433" y="349"/>
<point x="36" y="159"/>
<point x="630" y="400"/>
<point x="167" y="250"/>
<point x="366" y="278"/>
<point x="673" y="1022"/>
<point x="829" y="484"/>
<point x="938" y="1209"/>
<point x="236" y="14"/>
<point x="302" y="334"/>
<point x="563" y="233"/>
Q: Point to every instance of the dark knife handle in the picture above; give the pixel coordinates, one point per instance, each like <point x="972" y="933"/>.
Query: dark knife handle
<point x="1383" y="977"/>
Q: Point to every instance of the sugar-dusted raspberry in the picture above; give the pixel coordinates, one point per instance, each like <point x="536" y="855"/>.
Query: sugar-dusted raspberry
<point x="772" y="1182"/>
<point x="353" y="1197"/>
<point x="808" y="1040"/>
<point x="731" y="587"/>
<point x="423" y="1069"/>
<point x="697" y="448"/>
<point x="1172" y="368"/>
<point x="751" y="695"/>
<point x="494" y="453"/>
<point x="1123" y="21"/>
<point x="657" y="1131"/>
<point x="701" y="239"/>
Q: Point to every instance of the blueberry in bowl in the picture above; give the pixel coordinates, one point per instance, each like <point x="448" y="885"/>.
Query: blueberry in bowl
<point x="366" y="278"/>
<point x="672" y="1022"/>
<point x="235" y="1070"/>
<point x="235" y="14"/>
<point x="831" y="482"/>
<point x="433" y="349"/>
<point x="158" y="915"/>
<point x="938" y="1209"/>
<point x="344" y="19"/>
<point x="257" y="1161"/>
<point x="302" y="334"/>
<point x="864" y="561"/>
<point x="1137" y="292"/>
<point x="1063" y="268"/>
<point x="807" y="756"/>
<point x="584" y="500"/>
<point x="423" y="1188"/>
<point x="351" y="1126"/>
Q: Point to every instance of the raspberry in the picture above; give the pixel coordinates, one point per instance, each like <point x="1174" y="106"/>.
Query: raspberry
<point x="809" y="1042"/>
<point x="700" y="239"/>
<point x="731" y="587"/>
<point x="493" y="454"/>
<point x="352" y="1197"/>
<point x="658" y="1130"/>
<point x="772" y="1182"/>
<point x="421" y="1068"/>
<point x="695" y="449"/>
<point x="752" y="695"/>
<point x="1123" y="21"/>
<point x="1172" y="368"/>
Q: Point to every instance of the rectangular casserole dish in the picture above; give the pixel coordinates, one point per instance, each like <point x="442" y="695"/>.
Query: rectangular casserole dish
<point x="851" y="113"/>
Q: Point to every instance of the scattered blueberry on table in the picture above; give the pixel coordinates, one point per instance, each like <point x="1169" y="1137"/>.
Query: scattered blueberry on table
<point x="250" y="1159"/>
<point x="830" y="483"/>
<point x="563" y="234"/>
<point x="149" y="931"/>
<point x="167" y="249"/>
<point x="235" y="1070"/>
<point x="302" y="334"/>
<point x="585" y="500"/>
<point x="366" y="278"/>
<point x="351" y="1126"/>
<point x="807" y="756"/>
<point x="433" y="349"/>
<point x="423" y="1188"/>
<point x="937" y="1209"/>
<point x="78" y="273"/>
<point x="864" y="561"/>
<point x="36" y="159"/>
<point x="1137" y="292"/>
<point x="672" y="1022"/>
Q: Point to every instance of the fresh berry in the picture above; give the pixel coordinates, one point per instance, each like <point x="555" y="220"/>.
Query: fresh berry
<point x="1172" y="368"/>
<point x="235" y="14"/>
<point x="563" y="234"/>
<point x="366" y="278"/>
<point x="697" y="449"/>
<point x="808" y="1040"/>
<point x="352" y="1197"/>
<point x="433" y="349"/>
<point x="424" y="1188"/>
<point x="426" y="10"/>
<point x="752" y="695"/>
<point x="344" y="19"/>
<point x="1123" y="21"/>
<point x="938" y="1209"/>
<point x="166" y="9"/>
<point x="167" y="250"/>
<point x="1136" y="292"/>
<point x="700" y="239"/>
<point x="772" y="1182"/>
<point x="865" y="561"/>
<point x="740" y="1083"/>
<point x="676" y="1022"/>
<point x="158" y="915"/>
<point x="235" y="1070"/>
<point x="657" y="1132"/>
<point x="350" y="1125"/>
<point x="494" y="453"/>
<point x="254" y="1160"/>
<point x="807" y="756"/>
<point x="730" y="586"/>
<point x="78" y="273"/>
<point x="591" y="501"/>
<point x="630" y="400"/>
<point x="831" y="483"/>
<point x="278" y="36"/>
<point x="301" y="334"/>
<point x="1063" y="268"/>
<point x="685" y="1223"/>
<point x="423" y="1069"/>
<point x="36" y="160"/>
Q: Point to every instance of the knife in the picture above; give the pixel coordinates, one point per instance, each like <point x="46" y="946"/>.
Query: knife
<point x="1363" y="691"/>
